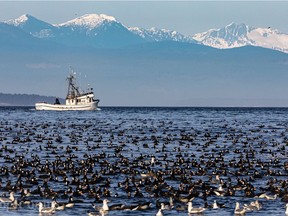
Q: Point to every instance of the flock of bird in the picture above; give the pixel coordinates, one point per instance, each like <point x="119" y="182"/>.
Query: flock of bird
<point x="142" y="166"/>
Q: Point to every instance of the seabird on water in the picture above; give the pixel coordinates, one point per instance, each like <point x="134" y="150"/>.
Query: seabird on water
<point x="214" y="205"/>
<point x="159" y="213"/>
<point x="47" y="210"/>
<point x="239" y="211"/>
<point x="195" y="210"/>
<point x="264" y="195"/>
<point x="8" y="200"/>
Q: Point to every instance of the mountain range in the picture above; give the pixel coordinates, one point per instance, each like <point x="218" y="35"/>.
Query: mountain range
<point x="103" y="31"/>
<point x="238" y="35"/>
<point x="236" y="65"/>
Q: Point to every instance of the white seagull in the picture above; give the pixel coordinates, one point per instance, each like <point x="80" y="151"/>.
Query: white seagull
<point x="194" y="210"/>
<point x="239" y="211"/>
<point x="159" y="213"/>
<point x="50" y="210"/>
<point x="105" y="206"/>
<point x="214" y="205"/>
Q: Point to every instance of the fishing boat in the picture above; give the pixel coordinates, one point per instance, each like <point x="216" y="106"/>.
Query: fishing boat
<point x="76" y="99"/>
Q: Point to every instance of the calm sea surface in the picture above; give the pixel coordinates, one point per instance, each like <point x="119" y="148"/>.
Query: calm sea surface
<point x="103" y="154"/>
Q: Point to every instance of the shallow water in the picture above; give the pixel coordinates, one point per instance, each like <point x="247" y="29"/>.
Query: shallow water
<point x="253" y="134"/>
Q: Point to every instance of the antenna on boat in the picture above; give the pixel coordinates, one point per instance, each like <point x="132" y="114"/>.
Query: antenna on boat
<point x="73" y="90"/>
<point x="72" y="72"/>
<point x="89" y="88"/>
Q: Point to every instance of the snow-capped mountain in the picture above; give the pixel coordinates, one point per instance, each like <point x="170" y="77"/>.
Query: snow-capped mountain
<point x="33" y="26"/>
<point x="238" y="35"/>
<point x="88" y="30"/>
<point x="93" y="30"/>
<point x="96" y="30"/>
<point x="89" y="21"/>
<point x="155" y="34"/>
<point x="269" y="38"/>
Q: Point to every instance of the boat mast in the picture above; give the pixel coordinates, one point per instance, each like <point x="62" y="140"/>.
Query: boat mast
<point x="73" y="91"/>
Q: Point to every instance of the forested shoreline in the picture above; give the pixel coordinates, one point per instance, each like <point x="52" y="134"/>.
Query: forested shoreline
<point x="24" y="99"/>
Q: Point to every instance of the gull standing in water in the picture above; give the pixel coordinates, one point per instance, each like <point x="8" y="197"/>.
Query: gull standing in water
<point x="215" y="205"/>
<point x="105" y="206"/>
<point x="159" y="213"/>
<point x="50" y="210"/>
<point x="239" y="211"/>
<point x="194" y="210"/>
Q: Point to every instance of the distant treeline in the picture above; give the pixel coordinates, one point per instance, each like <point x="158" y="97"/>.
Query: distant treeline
<point x="25" y="99"/>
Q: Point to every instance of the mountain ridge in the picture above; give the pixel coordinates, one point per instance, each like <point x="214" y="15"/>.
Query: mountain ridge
<point x="106" y="31"/>
<point x="236" y="35"/>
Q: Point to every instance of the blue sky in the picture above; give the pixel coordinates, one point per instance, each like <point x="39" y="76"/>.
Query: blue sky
<point x="186" y="17"/>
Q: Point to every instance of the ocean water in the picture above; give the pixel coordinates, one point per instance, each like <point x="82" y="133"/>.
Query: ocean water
<point x="246" y="147"/>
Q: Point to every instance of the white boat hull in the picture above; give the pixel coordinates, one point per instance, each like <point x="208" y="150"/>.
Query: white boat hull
<point x="60" y="107"/>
